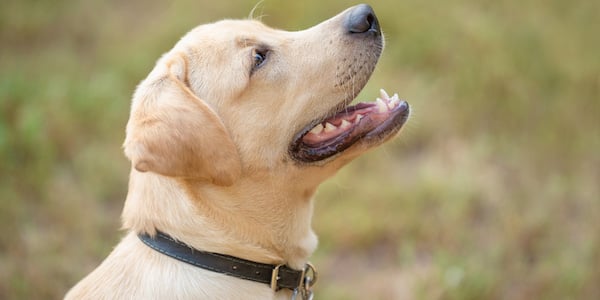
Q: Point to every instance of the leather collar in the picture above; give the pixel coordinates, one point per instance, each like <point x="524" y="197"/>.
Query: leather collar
<point x="277" y="276"/>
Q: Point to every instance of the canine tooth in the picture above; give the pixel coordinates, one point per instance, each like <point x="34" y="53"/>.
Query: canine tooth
<point x="393" y="104"/>
<point x="394" y="101"/>
<point x="381" y="105"/>
<point x="345" y="124"/>
<point x="358" y="117"/>
<point x="329" y="127"/>
<point x="384" y="94"/>
<point x="318" y="129"/>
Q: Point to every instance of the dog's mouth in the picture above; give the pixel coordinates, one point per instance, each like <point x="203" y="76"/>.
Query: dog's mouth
<point x="368" y="122"/>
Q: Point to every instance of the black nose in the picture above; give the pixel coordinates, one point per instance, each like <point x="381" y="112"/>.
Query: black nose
<point x="362" y="19"/>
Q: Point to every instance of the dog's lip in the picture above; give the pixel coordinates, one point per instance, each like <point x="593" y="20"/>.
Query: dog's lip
<point x="368" y="122"/>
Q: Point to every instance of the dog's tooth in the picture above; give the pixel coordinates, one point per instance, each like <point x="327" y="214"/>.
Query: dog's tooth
<point x="384" y="94"/>
<point x="329" y="127"/>
<point x="394" y="102"/>
<point x="317" y="129"/>
<point x="345" y="124"/>
<point x="358" y="117"/>
<point x="381" y="105"/>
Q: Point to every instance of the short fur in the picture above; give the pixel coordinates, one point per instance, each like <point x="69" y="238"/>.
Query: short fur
<point x="208" y="138"/>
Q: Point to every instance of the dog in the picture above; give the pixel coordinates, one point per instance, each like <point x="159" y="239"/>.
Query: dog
<point x="229" y="136"/>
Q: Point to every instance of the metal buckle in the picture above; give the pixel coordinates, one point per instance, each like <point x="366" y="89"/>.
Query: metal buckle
<point x="275" y="277"/>
<point x="307" y="281"/>
<point x="309" y="276"/>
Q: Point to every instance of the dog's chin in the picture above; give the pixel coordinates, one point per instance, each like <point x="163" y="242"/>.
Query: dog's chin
<point x="368" y="123"/>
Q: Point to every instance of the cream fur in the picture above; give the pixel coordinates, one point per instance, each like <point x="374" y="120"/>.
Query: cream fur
<point x="208" y="143"/>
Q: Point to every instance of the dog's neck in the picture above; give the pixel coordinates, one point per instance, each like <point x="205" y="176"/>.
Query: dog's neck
<point x="255" y="217"/>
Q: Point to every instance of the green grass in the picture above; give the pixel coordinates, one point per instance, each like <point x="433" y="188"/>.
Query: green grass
<point x="491" y="191"/>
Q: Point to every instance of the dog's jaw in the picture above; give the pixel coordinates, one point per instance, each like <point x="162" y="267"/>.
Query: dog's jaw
<point x="364" y="122"/>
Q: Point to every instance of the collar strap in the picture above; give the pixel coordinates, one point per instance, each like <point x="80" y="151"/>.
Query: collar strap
<point x="277" y="276"/>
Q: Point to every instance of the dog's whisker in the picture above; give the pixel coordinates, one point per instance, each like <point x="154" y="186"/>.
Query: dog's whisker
<point x="228" y="142"/>
<point x="251" y="14"/>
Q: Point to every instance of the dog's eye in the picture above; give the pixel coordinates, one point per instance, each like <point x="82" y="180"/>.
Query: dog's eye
<point x="260" y="56"/>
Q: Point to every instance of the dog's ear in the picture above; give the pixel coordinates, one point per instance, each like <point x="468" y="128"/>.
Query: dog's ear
<point x="174" y="133"/>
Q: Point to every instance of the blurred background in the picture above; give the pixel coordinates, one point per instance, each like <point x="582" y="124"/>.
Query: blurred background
<point x="492" y="190"/>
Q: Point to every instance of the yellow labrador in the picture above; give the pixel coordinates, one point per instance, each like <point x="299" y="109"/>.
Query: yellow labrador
<point x="229" y="136"/>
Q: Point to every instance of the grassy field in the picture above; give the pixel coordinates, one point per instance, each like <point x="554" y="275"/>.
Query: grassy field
<point x="492" y="191"/>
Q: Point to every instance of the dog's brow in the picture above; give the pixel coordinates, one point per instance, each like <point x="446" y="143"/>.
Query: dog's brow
<point x="244" y="42"/>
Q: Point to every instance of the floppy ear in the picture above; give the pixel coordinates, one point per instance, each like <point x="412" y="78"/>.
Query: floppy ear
<point x="174" y="133"/>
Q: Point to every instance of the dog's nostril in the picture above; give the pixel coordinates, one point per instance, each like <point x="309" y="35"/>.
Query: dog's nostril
<point x="362" y="19"/>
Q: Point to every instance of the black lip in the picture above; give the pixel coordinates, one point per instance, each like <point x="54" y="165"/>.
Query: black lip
<point x="391" y="125"/>
<point x="302" y="152"/>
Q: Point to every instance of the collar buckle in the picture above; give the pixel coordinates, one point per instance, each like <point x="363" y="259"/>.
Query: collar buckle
<point x="275" y="277"/>
<point x="306" y="281"/>
<point x="309" y="277"/>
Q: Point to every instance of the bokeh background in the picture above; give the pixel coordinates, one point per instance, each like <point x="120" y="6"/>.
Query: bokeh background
<point x="492" y="191"/>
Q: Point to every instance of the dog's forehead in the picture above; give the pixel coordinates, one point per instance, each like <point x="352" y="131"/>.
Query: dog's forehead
<point x="243" y="32"/>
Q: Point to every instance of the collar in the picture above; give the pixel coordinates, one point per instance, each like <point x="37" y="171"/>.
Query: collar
<point x="277" y="276"/>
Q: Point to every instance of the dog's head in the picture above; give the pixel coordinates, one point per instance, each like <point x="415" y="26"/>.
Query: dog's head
<point x="237" y="97"/>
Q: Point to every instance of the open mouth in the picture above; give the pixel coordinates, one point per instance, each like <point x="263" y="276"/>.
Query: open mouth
<point x="367" y="122"/>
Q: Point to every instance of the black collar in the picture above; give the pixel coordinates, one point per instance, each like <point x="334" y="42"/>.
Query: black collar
<point x="277" y="276"/>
